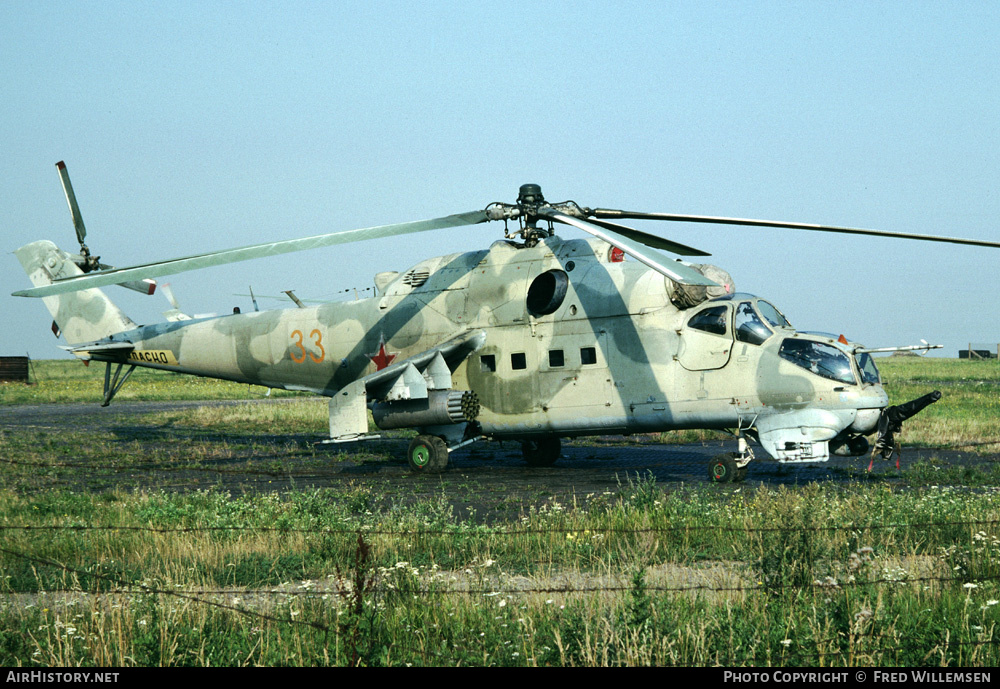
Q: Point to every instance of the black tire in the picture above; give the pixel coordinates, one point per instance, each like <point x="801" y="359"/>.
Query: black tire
<point x="427" y="454"/>
<point x="541" y="452"/>
<point x="723" y="469"/>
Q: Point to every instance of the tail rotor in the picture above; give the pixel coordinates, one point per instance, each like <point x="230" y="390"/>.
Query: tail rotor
<point x="87" y="262"/>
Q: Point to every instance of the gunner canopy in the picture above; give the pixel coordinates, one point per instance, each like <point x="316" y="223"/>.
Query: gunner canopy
<point x="819" y="358"/>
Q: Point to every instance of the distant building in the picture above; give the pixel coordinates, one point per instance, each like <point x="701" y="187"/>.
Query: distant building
<point x="14" y="369"/>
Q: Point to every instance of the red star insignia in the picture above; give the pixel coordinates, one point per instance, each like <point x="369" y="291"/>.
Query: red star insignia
<point x="381" y="358"/>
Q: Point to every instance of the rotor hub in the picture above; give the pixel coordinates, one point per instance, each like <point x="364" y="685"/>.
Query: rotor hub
<point x="530" y="195"/>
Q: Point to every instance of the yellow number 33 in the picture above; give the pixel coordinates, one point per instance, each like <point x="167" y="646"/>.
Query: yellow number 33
<point x="317" y="338"/>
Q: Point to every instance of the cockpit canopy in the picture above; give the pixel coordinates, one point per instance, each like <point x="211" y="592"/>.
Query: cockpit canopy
<point x="755" y="321"/>
<point x="751" y="321"/>
<point x="819" y="358"/>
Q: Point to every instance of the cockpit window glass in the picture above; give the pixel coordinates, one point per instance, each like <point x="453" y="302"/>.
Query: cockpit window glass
<point x="710" y="320"/>
<point x="772" y="315"/>
<point x="821" y="359"/>
<point x="749" y="327"/>
<point x="866" y="364"/>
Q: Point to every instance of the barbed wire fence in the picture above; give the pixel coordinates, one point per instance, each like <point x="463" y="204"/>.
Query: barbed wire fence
<point x="361" y="581"/>
<point x="378" y="587"/>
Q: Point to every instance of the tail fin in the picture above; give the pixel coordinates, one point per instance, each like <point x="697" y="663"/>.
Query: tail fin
<point x="83" y="316"/>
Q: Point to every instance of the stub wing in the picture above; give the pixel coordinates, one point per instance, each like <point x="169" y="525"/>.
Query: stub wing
<point x="413" y="382"/>
<point x="430" y="370"/>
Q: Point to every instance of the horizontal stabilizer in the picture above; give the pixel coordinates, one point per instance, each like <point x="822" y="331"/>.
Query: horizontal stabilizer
<point x="104" y="349"/>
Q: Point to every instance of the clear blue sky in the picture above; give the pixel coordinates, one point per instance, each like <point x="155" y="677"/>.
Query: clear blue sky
<point x="193" y="126"/>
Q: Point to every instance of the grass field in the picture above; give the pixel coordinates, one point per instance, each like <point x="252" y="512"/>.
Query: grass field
<point x="967" y="415"/>
<point x="872" y="573"/>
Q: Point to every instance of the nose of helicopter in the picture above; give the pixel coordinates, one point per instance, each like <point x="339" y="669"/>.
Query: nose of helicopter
<point x="866" y="421"/>
<point x="871" y="402"/>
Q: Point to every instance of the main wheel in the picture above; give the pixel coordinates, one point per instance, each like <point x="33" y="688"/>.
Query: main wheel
<point x="427" y="454"/>
<point x="541" y="452"/>
<point x="723" y="469"/>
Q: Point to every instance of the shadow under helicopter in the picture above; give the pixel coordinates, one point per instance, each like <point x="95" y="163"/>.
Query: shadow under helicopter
<point x="600" y="463"/>
<point x="245" y="462"/>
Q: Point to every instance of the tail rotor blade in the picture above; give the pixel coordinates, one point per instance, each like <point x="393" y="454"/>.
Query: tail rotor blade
<point x="74" y="208"/>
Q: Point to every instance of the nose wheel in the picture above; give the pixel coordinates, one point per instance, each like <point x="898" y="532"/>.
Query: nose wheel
<point x="723" y="469"/>
<point x="730" y="467"/>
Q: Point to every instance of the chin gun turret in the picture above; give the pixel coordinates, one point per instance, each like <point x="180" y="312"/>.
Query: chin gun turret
<point x="891" y="421"/>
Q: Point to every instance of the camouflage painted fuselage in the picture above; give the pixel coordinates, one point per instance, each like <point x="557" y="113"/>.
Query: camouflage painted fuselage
<point x="615" y="355"/>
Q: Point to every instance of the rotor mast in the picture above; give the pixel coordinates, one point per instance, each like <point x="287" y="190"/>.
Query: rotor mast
<point x="530" y="199"/>
<point x="526" y="211"/>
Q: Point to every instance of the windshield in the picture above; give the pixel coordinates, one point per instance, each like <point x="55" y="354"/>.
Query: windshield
<point x="772" y="315"/>
<point x="749" y="327"/>
<point x="816" y="357"/>
<point x="765" y="309"/>
<point x="866" y="364"/>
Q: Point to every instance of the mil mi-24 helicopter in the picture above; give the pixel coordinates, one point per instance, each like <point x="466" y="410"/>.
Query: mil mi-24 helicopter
<point x="533" y="339"/>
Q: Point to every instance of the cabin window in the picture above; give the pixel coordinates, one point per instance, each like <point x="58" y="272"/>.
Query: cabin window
<point x="711" y="320"/>
<point x="518" y="361"/>
<point x="488" y="363"/>
<point x="588" y="355"/>
<point x="556" y="358"/>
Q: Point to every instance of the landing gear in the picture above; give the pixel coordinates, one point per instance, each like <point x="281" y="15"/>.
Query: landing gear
<point x="731" y="467"/>
<point x="723" y="469"/>
<point x="541" y="452"/>
<point x="427" y="454"/>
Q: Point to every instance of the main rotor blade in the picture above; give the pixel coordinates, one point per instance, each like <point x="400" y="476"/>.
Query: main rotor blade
<point x="649" y="239"/>
<point x="675" y="270"/>
<point x="633" y="215"/>
<point x="217" y="258"/>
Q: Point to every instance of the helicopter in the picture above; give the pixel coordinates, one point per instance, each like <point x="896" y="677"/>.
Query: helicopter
<point x="534" y="339"/>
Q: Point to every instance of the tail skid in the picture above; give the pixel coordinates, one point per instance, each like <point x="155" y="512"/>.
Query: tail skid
<point x="83" y="316"/>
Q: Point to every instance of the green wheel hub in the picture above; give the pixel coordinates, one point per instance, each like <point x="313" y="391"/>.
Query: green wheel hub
<point x="427" y="454"/>
<point x="421" y="455"/>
